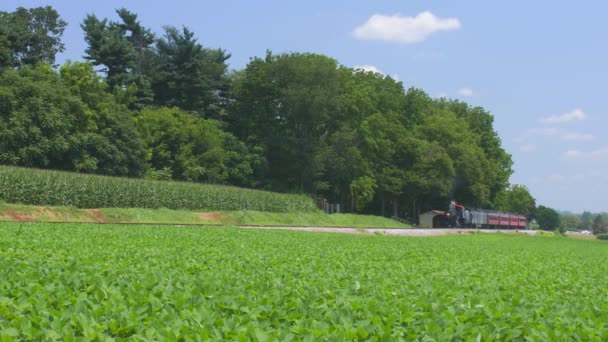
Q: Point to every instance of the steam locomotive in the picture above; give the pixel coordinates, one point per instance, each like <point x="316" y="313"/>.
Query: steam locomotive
<point x="459" y="216"/>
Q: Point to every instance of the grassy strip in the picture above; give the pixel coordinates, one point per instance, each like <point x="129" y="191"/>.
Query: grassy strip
<point x="19" y="212"/>
<point x="43" y="187"/>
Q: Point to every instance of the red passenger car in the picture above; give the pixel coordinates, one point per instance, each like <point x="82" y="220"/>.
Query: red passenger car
<point x="493" y="218"/>
<point x="513" y="220"/>
<point x="504" y="219"/>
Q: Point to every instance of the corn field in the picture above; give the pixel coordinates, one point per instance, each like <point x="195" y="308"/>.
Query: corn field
<point x="55" y="188"/>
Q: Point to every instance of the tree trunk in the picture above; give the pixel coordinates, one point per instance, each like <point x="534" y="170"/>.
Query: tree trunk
<point x="395" y="208"/>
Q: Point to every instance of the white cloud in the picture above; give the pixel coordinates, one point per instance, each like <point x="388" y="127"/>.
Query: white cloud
<point x="563" y="135"/>
<point x="369" y="68"/>
<point x="573" y="153"/>
<point x="466" y="92"/>
<point x="407" y="30"/>
<point x="575" y="115"/>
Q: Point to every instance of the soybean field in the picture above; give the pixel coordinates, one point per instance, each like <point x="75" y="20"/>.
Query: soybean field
<point x="113" y="282"/>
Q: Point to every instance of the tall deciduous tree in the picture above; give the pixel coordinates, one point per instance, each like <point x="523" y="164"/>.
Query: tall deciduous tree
<point x="110" y="144"/>
<point x="570" y="222"/>
<point x="194" y="149"/>
<point x="282" y="103"/>
<point x="39" y="119"/>
<point x="30" y="36"/>
<point x="516" y="199"/>
<point x="586" y="220"/>
<point x="547" y="218"/>
<point x="599" y="225"/>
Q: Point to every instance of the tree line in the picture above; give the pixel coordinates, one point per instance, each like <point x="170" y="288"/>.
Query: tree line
<point x="162" y="106"/>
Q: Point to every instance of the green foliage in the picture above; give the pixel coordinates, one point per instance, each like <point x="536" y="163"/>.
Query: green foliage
<point x="570" y="222"/>
<point x="586" y="220"/>
<point x="282" y="103"/>
<point x="160" y="283"/>
<point x="38" y="187"/>
<point x="40" y="119"/>
<point x="193" y="149"/>
<point x="362" y="190"/>
<point x="293" y="122"/>
<point x="189" y="76"/>
<point x="338" y="163"/>
<point x="173" y="71"/>
<point x="30" y="36"/>
<point x="547" y="218"/>
<point x="602" y="236"/>
<point x="110" y="144"/>
<point x="516" y="199"/>
<point x="66" y="122"/>
<point x="599" y="225"/>
<point x="163" y="174"/>
<point x="122" y="48"/>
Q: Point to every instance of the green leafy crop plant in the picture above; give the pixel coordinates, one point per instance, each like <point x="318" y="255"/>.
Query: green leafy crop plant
<point x="42" y="187"/>
<point x="117" y="282"/>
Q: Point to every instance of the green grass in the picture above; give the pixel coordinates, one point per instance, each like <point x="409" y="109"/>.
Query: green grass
<point x="312" y="219"/>
<point x="19" y="212"/>
<point x="169" y="283"/>
<point x="44" y="187"/>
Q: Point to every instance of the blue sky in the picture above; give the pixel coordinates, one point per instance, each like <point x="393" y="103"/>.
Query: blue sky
<point x="538" y="66"/>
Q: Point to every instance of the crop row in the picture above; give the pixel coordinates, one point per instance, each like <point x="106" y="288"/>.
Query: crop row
<point x="153" y="283"/>
<point x="43" y="187"/>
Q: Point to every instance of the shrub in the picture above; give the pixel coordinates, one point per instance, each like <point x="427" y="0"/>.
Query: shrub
<point x="602" y="236"/>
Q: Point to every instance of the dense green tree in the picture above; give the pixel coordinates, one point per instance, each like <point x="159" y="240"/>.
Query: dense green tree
<point x="411" y="172"/>
<point x="110" y="144"/>
<point x="516" y="199"/>
<point x="480" y="123"/>
<point x="586" y="220"/>
<point x="174" y="70"/>
<point x="193" y="149"/>
<point x="380" y="134"/>
<point x="124" y="50"/>
<point x="30" y="36"/>
<point x="570" y="222"/>
<point x="417" y="105"/>
<point x="363" y="94"/>
<point x="339" y="163"/>
<point x="66" y="122"/>
<point x="471" y="183"/>
<point x="362" y="191"/>
<point x="547" y="218"/>
<point x="282" y="103"/>
<point x="599" y="225"/>
<point x="39" y="119"/>
<point x="189" y="76"/>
